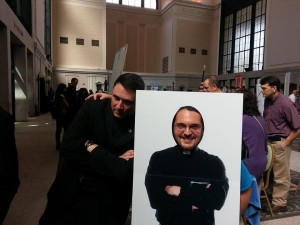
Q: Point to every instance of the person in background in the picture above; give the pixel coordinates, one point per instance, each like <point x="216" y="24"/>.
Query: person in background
<point x="61" y="105"/>
<point x="245" y="186"/>
<point x="283" y="126"/>
<point x="91" y="92"/>
<point x="71" y="96"/>
<point x="9" y="167"/>
<point x="254" y="135"/>
<point x="51" y="94"/>
<point x="297" y="101"/>
<point x="211" y="84"/>
<point x="94" y="183"/>
<point x="249" y="198"/>
<point x="292" y="96"/>
<point x="82" y="95"/>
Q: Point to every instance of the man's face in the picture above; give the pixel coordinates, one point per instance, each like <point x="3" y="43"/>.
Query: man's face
<point x="206" y="86"/>
<point x="268" y="91"/>
<point x="122" y="102"/>
<point x="188" y="129"/>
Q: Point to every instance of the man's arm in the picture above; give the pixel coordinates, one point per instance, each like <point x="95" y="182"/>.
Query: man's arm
<point x="108" y="164"/>
<point x="292" y="136"/>
<point x="99" y="95"/>
<point x="245" y="197"/>
<point x="101" y="160"/>
<point x="162" y="194"/>
<point x="210" y="193"/>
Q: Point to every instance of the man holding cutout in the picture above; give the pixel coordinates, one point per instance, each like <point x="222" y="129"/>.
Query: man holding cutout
<point x="94" y="183"/>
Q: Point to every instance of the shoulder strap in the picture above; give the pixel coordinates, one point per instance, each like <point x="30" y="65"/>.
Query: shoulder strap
<point x="259" y="124"/>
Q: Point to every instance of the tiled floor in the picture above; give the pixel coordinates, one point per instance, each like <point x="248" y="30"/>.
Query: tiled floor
<point x="295" y="220"/>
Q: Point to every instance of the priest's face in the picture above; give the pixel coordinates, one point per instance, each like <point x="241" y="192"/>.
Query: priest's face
<point x="188" y="129"/>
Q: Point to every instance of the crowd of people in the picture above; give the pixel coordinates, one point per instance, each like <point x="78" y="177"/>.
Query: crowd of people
<point x="65" y="105"/>
<point x="93" y="184"/>
<point x="279" y="125"/>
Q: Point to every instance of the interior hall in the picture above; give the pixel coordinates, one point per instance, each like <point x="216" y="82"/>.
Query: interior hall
<point x="171" y="44"/>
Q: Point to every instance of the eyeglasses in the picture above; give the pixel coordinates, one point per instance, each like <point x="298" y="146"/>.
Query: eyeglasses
<point x="182" y="127"/>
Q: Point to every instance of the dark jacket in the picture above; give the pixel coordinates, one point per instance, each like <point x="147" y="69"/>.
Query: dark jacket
<point x="93" y="188"/>
<point x="203" y="183"/>
<point x="9" y="172"/>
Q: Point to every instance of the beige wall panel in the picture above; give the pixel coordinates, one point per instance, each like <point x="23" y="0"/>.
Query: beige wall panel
<point x="153" y="50"/>
<point x="132" y="28"/>
<point x="111" y="44"/>
<point x="87" y="23"/>
<point x="141" y="48"/>
<point x="121" y="34"/>
<point x="166" y="38"/>
<point x="282" y="26"/>
<point x="191" y="34"/>
<point x="131" y="40"/>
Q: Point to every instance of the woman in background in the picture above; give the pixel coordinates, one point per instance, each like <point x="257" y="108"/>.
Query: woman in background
<point x="61" y="104"/>
<point x="254" y="135"/>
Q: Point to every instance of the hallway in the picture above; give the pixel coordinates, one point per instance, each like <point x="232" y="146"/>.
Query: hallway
<point x="37" y="167"/>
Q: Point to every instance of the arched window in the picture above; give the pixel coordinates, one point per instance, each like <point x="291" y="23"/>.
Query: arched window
<point x="149" y="4"/>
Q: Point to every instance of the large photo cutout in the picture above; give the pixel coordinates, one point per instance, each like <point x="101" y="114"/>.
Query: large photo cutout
<point x="191" y="163"/>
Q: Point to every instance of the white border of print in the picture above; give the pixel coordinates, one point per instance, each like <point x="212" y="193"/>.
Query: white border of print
<point x="222" y="114"/>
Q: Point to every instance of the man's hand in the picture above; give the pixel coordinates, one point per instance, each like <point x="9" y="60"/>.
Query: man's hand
<point x="127" y="155"/>
<point x="194" y="207"/>
<point x="173" y="190"/>
<point x="99" y="95"/>
<point x="91" y="147"/>
<point x="284" y="144"/>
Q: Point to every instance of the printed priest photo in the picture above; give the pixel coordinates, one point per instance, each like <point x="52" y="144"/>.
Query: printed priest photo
<point x="186" y="184"/>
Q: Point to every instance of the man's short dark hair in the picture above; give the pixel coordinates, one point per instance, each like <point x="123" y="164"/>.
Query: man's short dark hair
<point x="74" y="79"/>
<point x="130" y="81"/>
<point x="272" y="81"/>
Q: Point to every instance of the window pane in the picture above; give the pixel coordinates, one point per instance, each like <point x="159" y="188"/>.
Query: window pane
<point x="225" y="49"/>
<point x="243" y="29"/>
<point x="248" y="29"/>
<point x="230" y="34"/>
<point x="262" y="23"/>
<point x="238" y="17"/>
<point x="226" y="35"/>
<point x="262" y="39"/>
<point x="237" y="31"/>
<point x="113" y="1"/>
<point x="137" y="3"/>
<point x="242" y="44"/>
<point x="247" y="45"/>
<point x="150" y="4"/>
